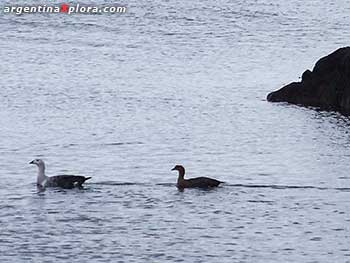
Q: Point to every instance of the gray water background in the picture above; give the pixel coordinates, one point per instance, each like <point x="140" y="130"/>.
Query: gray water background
<point x="125" y="97"/>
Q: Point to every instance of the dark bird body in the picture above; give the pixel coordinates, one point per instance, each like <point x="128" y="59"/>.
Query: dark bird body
<point x="200" y="182"/>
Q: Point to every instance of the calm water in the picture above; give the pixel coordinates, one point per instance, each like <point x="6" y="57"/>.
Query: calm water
<point x="123" y="98"/>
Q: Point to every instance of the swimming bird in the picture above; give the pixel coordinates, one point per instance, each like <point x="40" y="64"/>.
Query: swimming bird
<point x="63" y="181"/>
<point x="201" y="182"/>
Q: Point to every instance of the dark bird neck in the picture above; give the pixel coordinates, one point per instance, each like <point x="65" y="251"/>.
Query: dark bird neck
<point x="181" y="174"/>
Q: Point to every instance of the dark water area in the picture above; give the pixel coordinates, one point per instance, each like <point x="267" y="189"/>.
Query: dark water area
<point x="123" y="98"/>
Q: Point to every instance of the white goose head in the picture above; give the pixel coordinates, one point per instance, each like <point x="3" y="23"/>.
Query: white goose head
<point x="38" y="162"/>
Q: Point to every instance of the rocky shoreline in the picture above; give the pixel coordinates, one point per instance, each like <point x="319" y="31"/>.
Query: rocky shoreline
<point x="327" y="86"/>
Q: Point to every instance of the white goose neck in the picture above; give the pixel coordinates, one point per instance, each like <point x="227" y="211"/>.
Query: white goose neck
<point x="41" y="175"/>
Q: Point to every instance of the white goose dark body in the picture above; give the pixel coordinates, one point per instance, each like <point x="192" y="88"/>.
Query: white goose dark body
<point x="63" y="181"/>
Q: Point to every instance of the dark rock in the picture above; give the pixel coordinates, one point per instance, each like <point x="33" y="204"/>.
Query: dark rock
<point x="307" y="76"/>
<point x="327" y="86"/>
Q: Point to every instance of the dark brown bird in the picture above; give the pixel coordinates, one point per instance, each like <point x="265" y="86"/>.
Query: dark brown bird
<point x="200" y="182"/>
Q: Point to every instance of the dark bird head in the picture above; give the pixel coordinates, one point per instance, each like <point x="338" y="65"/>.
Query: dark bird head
<point x="179" y="168"/>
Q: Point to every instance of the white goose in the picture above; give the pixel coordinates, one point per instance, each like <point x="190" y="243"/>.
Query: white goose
<point x="64" y="181"/>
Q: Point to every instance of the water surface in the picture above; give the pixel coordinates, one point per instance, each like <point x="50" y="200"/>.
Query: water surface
<point x="123" y="98"/>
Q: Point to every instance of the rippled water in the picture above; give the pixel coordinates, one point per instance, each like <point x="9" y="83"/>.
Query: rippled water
<point x="122" y="98"/>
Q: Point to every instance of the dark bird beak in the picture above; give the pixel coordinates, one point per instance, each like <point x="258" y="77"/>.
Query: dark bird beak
<point x="32" y="162"/>
<point x="173" y="169"/>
